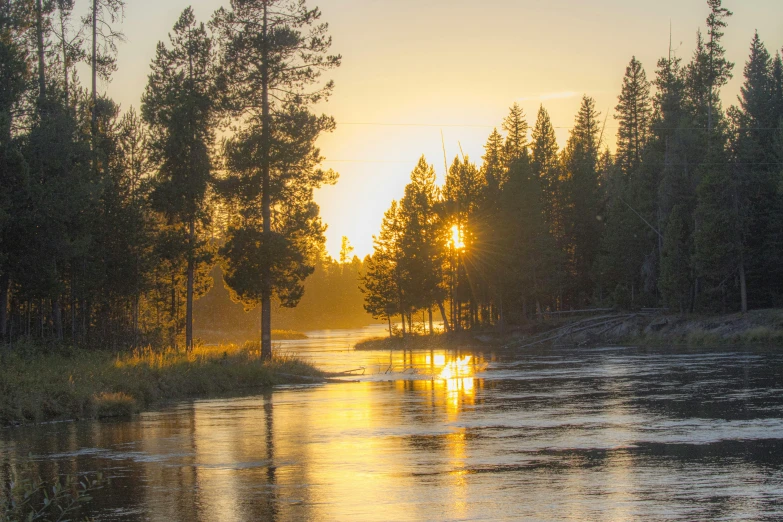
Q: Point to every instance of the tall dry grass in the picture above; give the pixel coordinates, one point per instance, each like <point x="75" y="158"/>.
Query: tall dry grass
<point x="38" y="385"/>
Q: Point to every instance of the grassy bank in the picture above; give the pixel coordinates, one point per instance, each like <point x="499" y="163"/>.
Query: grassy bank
<point x="74" y="384"/>
<point x="755" y="328"/>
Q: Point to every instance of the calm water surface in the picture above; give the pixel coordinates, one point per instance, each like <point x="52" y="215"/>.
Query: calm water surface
<point x="550" y="434"/>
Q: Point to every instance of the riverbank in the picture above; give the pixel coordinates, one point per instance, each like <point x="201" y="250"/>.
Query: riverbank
<point x="37" y="385"/>
<point x="239" y="336"/>
<point x="463" y="339"/>
<point x="757" y="327"/>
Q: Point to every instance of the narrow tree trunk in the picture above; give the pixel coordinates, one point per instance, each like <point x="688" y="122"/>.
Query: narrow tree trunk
<point x="266" y="275"/>
<point x="402" y="317"/>
<point x="743" y="286"/>
<point x="5" y="281"/>
<point x="189" y="303"/>
<point x="388" y="318"/>
<point x="73" y="310"/>
<point x="65" y="57"/>
<point x="174" y="318"/>
<point x="429" y="311"/>
<point x="446" y="325"/>
<point x="57" y="318"/>
<point x="94" y="126"/>
<point x="41" y="57"/>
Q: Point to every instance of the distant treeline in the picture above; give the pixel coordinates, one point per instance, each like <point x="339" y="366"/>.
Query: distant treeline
<point x="111" y="221"/>
<point x="331" y="299"/>
<point x="686" y="214"/>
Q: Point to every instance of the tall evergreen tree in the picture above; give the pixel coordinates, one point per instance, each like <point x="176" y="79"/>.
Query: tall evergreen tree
<point x="15" y="73"/>
<point x="273" y="54"/>
<point x="179" y="107"/>
<point x="463" y="192"/>
<point x="719" y="69"/>
<point x="382" y="280"/>
<point x="634" y="117"/>
<point x="583" y="192"/>
<point x="546" y="165"/>
<point x="516" y="139"/>
<point x="422" y="241"/>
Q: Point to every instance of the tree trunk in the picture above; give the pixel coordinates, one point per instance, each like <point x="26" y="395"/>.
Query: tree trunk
<point x="402" y="317"/>
<point x="266" y="272"/>
<point x="94" y="123"/>
<point x="743" y="286"/>
<point x="65" y="57"/>
<point x="446" y="325"/>
<point x="189" y="302"/>
<point x="5" y="281"/>
<point x="41" y="55"/>
<point x="388" y="318"/>
<point x="174" y="317"/>
<point x="429" y="311"/>
<point x="57" y="318"/>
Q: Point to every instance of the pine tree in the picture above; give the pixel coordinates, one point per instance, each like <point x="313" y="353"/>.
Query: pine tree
<point x="516" y="140"/>
<point x="633" y="114"/>
<point x="103" y="14"/>
<point x="756" y="175"/>
<point x="777" y="90"/>
<point x="545" y="163"/>
<point x="463" y="196"/>
<point x="422" y="241"/>
<point x="273" y="54"/>
<point x="529" y="258"/>
<point x="582" y="190"/>
<point x="756" y="122"/>
<point x="14" y="84"/>
<point x="719" y="69"/>
<point x="631" y="197"/>
<point x="382" y="281"/>
<point x="179" y="107"/>
<point x="494" y="165"/>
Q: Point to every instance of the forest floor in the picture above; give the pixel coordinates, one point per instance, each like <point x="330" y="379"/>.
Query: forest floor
<point x="39" y="384"/>
<point x="757" y="327"/>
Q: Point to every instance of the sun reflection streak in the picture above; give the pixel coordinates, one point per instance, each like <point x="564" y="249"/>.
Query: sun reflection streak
<point x="457" y="368"/>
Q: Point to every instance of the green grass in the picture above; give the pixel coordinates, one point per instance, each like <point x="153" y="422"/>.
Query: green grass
<point x="38" y="385"/>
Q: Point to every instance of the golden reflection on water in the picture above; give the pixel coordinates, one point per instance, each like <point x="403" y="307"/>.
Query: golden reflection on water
<point x="316" y="453"/>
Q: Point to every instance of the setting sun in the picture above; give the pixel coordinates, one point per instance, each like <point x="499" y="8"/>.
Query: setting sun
<point x="456" y="238"/>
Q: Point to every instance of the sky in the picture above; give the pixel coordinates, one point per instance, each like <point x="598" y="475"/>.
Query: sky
<point x="412" y="70"/>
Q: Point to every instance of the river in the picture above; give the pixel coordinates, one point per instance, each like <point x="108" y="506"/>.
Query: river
<point x="614" y="433"/>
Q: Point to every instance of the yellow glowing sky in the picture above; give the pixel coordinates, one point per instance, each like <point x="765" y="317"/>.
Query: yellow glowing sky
<point x="456" y="66"/>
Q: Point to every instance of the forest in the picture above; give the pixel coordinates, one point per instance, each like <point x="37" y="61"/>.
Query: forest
<point x="111" y="222"/>
<point x="115" y="222"/>
<point x="686" y="215"/>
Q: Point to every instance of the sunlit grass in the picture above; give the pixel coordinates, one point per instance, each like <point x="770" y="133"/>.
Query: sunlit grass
<point x="83" y="384"/>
